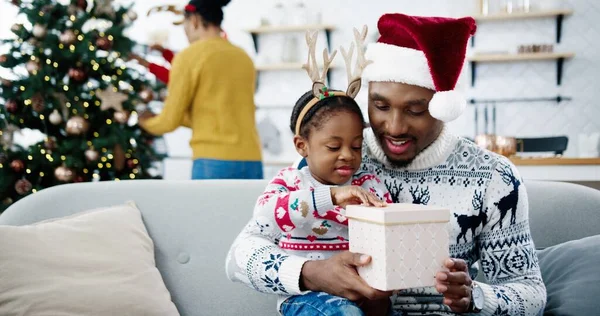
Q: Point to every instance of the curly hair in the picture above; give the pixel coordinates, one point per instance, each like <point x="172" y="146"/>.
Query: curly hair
<point x="211" y="11"/>
<point x="321" y="112"/>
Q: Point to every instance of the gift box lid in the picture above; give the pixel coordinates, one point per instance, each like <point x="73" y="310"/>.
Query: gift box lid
<point x="399" y="214"/>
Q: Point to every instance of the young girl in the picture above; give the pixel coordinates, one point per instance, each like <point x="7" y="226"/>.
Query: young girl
<point x="307" y="204"/>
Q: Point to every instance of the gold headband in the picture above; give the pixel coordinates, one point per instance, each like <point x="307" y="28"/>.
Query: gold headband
<point x="311" y="104"/>
<point x="320" y="91"/>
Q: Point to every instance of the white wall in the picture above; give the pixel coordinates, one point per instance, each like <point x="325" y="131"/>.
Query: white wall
<point x="528" y="79"/>
<point x="534" y="79"/>
<point x="506" y="80"/>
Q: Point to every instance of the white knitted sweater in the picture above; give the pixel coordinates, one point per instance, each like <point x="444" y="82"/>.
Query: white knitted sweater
<point x="489" y="224"/>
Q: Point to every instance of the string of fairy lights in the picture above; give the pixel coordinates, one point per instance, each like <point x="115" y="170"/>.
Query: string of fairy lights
<point x="106" y="159"/>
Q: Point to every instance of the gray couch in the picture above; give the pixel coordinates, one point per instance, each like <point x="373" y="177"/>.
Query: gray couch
<point x="202" y="218"/>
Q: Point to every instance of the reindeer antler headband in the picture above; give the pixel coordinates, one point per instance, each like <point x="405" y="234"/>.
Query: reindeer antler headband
<point x="168" y="8"/>
<point x="319" y="89"/>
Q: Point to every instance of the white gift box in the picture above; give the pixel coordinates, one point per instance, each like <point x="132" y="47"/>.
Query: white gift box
<point x="408" y="243"/>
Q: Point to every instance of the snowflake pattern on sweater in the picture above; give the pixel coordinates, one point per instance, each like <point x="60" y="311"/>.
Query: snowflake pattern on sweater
<point x="488" y="200"/>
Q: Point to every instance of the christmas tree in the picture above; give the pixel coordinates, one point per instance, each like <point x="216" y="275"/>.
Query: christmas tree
<point x="71" y="82"/>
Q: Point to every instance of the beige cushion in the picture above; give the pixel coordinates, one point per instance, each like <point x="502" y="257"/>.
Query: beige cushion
<point x="99" y="262"/>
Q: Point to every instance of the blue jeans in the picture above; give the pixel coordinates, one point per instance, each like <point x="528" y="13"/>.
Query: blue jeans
<point x="204" y="169"/>
<point x="319" y="304"/>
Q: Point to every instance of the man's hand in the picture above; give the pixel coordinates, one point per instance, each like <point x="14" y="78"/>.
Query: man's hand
<point x="337" y="276"/>
<point x="455" y="285"/>
<point x="352" y="194"/>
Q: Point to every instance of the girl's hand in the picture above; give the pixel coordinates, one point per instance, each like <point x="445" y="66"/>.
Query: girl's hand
<point x="139" y="59"/>
<point x="354" y="195"/>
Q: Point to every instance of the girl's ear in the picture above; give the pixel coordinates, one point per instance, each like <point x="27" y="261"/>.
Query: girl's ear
<point x="195" y="19"/>
<point x="301" y="145"/>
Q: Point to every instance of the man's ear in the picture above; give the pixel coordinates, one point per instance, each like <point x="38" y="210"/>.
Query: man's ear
<point x="301" y="145"/>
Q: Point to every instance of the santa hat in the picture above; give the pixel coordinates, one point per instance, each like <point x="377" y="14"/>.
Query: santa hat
<point x="423" y="51"/>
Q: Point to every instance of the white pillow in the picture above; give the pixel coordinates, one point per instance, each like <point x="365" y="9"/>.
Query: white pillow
<point x="99" y="262"/>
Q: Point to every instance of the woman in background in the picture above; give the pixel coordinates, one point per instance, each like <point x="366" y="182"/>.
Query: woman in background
<point x="211" y="90"/>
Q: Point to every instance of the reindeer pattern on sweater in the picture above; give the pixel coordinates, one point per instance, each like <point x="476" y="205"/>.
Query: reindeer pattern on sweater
<point x="489" y="224"/>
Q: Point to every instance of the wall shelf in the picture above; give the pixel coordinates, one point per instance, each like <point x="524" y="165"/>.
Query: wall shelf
<point x="273" y="106"/>
<point x="522" y="15"/>
<point x="327" y="28"/>
<point x="559" y="14"/>
<point x="291" y="67"/>
<point x="280" y="67"/>
<point x="557" y="99"/>
<point x="519" y="57"/>
<point x="286" y="66"/>
<point x="519" y="161"/>
<point x="290" y="29"/>
<point x="493" y="58"/>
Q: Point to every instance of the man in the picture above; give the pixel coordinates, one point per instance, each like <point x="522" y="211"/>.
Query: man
<point x="211" y="90"/>
<point x="415" y="67"/>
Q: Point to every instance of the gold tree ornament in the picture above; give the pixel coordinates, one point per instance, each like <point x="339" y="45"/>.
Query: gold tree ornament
<point x="7" y="201"/>
<point x="39" y="31"/>
<point x="38" y="103"/>
<point x="50" y="143"/>
<point x="55" y="118"/>
<point x="104" y="7"/>
<point x="130" y="16"/>
<point x="121" y="117"/>
<point x="23" y="186"/>
<point x="7" y="135"/>
<point x="17" y="165"/>
<point x="64" y="174"/>
<point x="16" y="27"/>
<point x="111" y="99"/>
<point x="11" y="106"/>
<point x="32" y="66"/>
<point x="62" y="100"/>
<point x="77" y="125"/>
<point x="77" y="75"/>
<point x="67" y="37"/>
<point x="147" y="95"/>
<point x="104" y="43"/>
<point x="91" y="154"/>
<point x="82" y="4"/>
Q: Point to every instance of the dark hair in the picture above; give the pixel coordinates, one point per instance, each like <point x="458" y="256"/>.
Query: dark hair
<point x="321" y="111"/>
<point x="211" y="11"/>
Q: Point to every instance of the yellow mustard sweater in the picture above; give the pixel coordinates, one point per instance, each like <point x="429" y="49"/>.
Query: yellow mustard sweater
<point x="211" y="90"/>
